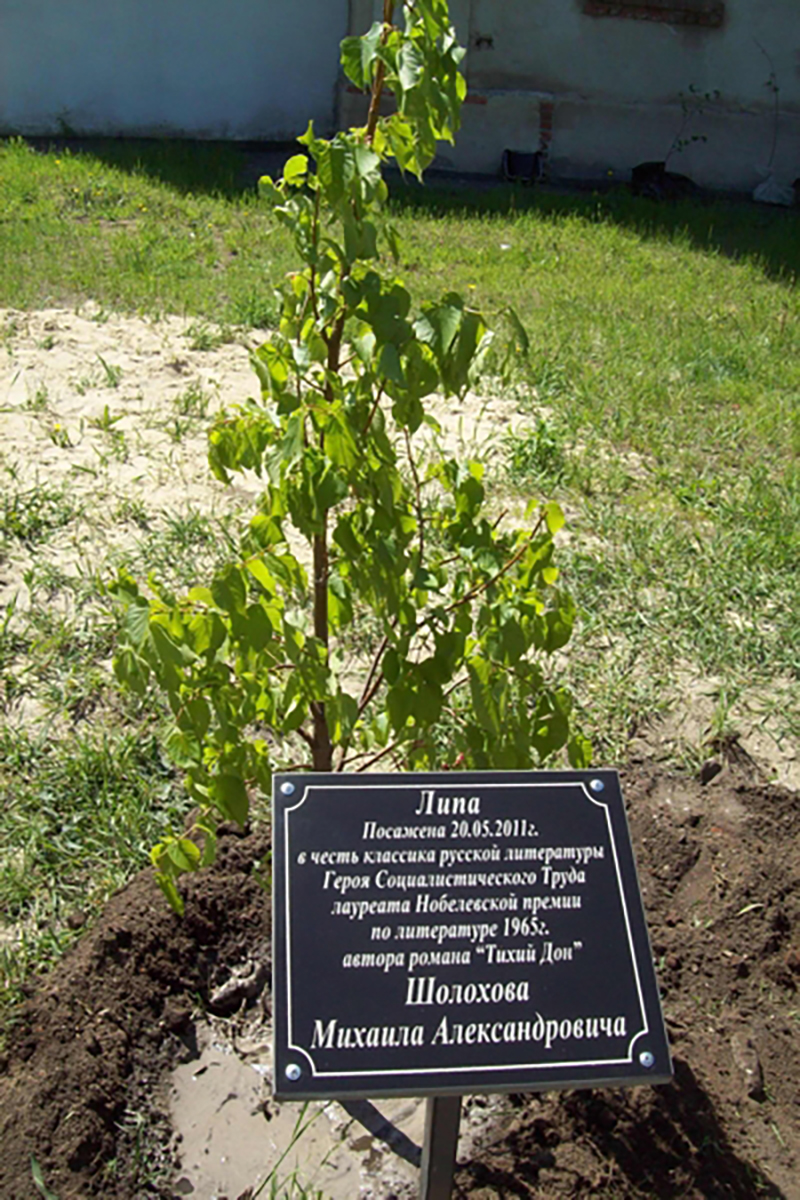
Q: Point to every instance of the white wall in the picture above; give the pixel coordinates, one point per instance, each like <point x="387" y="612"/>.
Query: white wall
<point x="202" y="68"/>
<point x="616" y="84"/>
<point x="550" y="45"/>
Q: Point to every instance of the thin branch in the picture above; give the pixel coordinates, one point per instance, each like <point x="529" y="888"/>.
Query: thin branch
<point x="375" y="685"/>
<point x="380" y="75"/>
<point x="389" y="750"/>
<point x="314" y="238"/>
<point x="365" y="691"/>
<point x="373" y="410"/>
<point x="417" y="498"/>
<point x="455" y="684"/>
<point x="306" y="736"/>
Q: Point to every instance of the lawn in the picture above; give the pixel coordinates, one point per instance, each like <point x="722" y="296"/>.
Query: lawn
<point x="661" y="408"/>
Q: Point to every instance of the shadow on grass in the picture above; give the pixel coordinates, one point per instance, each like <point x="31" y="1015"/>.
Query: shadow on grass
<point x="212" y="168"/>
<point x="734" y="226"/>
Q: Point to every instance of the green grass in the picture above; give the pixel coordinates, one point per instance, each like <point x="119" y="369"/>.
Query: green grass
<point x="662" y="407"/>
<point x="75" y="826"/>
<point x="30" y="515"/>
<point x="150" y="228"/>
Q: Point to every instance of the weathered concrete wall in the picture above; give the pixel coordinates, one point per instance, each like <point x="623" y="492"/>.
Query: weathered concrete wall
<point x="603" y="93"/>
<point x="199" y="68"/>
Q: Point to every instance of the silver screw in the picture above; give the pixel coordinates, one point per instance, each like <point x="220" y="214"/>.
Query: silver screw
<point x="597" y="785"/>
<point x="647" y="1059"/>
<point x="293" y="1072"/>
<point x="287" y="788"/>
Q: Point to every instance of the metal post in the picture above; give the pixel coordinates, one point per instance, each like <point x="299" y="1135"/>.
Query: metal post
<point x="442" y="1119"/>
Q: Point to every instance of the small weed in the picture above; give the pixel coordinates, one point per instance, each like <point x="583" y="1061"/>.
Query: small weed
<point x="47" y="577"/>
<point x="193" y="402"/>
<point x="178" y="428"/>
<point x="185" y="544"/>
<point x="185" y="532"/>
<point x="47" y="342"/>
<point x="203" y="337"/>
<point x="32" y="515"/>
<point x="105" y="422"/>
<point x="38" y="1178"/>
<point x="289" y="1187"/>
<point x="11" y="642"/>
<point x="131" y="509"/>
<point x="119" y="445"/>
<point x="39" y="401"/>
<point x="59" y="436"/>
<point x="112" y="374"/>
<point x="85" y="384"/>
<point x="8" y="332"/>
<point x="536" y="456"/>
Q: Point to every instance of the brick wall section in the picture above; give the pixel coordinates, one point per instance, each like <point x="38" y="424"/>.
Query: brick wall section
<point x="708" y="13"/>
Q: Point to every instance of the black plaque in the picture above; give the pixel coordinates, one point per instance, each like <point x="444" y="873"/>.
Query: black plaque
<point x="459" y="932"/>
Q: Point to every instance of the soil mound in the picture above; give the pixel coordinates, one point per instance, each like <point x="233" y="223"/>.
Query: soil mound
<point x="79" y="1086"/>
<point x="719" y="865"/>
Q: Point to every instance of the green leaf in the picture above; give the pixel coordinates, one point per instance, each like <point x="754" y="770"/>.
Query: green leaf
<point x="427" y="703"/>
<point x="358" y="54"/>
<point x="209" y="846"/>
<point x="389" y="364"/>
<point x="390" y="666"/>
<point x="513" y="640"/>
<point x="184" y="854"/>
<point x="559" y="624"/>
<point x="340" y="604"/>
<point x="550" y="725"/>
<point x="165" y="648"/>
<point x="399" y="705"/>
<point x="554" y="516"/>
<point x="183" y="748"/>
<point x="259" y="571"/>
<point x="579" y="750"/>
<point x="439" y="324"/>
<point x="131" y="671"/>
<point x="411" y="64"/>
<point x="341" y="711"/>
<point x="483" y="700"/>
<point x="137" y="620"/>
<point x="296" y="169"/>
<point x="229" y="590"/>
<point x="360" y="238"/>
<point x="368" y="163"/>
<point x="230" y="796"/>
<point x="198" y="713"/>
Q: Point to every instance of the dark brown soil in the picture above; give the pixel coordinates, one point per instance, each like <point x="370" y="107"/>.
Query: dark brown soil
<point x="719" y="866"/>
<point x="79" y="1085"/>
